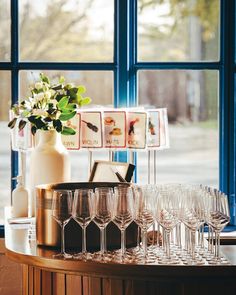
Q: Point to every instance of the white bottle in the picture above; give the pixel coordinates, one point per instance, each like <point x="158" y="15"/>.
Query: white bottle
<point x="20" y="197"/>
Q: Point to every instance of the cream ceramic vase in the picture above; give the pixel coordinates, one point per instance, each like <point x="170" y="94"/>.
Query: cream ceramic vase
<point x="49" y="163"/>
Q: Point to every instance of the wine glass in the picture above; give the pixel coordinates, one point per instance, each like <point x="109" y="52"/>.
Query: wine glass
<point x="144" y="207"/>
<point x="167" y="215"/>
<point x="83" y="214"/>
<point x="192" y="217"/>
<point x="123" y="213"/>
<point x="62" y="213"/>
<point x="103" y="215"/>
<point x="218" y="217"/>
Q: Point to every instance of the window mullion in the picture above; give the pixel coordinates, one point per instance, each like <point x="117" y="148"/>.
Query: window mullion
<point x="14" y="75"/>
<point x="227" y="104"/>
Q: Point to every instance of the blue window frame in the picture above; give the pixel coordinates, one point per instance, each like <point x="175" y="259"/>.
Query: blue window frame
<point x="125" y="68"/>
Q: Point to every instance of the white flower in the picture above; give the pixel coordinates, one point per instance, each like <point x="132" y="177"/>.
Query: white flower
<point x="47" y="94"/>
<point x="52" y="92"/>
<point x="54" y="102"/>
<point x="38" y="97"/>
<point x="62" y="92"/>
<point x="38" y="112"/>
<point x="38" y="85"/>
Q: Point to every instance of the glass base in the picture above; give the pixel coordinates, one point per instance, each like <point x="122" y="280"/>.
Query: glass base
<point x="83" y="256"/>
<point x="62" y="256"/>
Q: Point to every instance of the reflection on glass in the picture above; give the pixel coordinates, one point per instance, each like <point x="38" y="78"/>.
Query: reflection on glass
<point x="5" y="155"/>
<point x="185" y="30"/>
<point x="66" y="30"/>
<point x="191" y="98"/>
<point x="5" y="36"/>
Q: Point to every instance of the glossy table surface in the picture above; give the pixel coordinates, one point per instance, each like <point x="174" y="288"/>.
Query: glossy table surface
<point x="22" y="250"/>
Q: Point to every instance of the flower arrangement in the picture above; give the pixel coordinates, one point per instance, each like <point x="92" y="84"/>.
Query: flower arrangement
<point x="50" y="106"/>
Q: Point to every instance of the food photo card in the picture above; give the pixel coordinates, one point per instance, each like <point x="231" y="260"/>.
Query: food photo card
<point x="114" y="123"/>
<point x="136" y="130"/>
<point x="91" y="129"/>
<point x="153" y="129"/>
<point x="72" y="142"/>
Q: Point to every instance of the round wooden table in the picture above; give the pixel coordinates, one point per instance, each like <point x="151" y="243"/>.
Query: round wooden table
<point x="42" y="274"/>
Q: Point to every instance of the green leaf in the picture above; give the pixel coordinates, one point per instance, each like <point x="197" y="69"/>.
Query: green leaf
<point x="33" y="130"/>
<point x="81" y="89"/>
<point x="44" y="78"/>
<point x="62" y="79"/>
<point x="36" y="120"/>
<point x="25" y="113"/>
<point x="66" y="116"/>
<point x="57" y="87"/>
<point x="12" y="123"/>
<point x="68" y="131"/>
<point x="57" y="125"/>
<point x="72" y="93"/>
<point x="79" y="97"/>
<point x="85" y="101"/>
<point x="71" y="106"/>
<point x="22" y="124"/>
<point x="63" y="102"/>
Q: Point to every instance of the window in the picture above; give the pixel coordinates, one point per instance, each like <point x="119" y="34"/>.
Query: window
<point x="174" y="54"/>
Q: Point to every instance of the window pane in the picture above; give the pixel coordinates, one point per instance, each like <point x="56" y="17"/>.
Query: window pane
<point x="191" y="98"/>
<point x="66" y="30"/>
<point x="5" y="155"/>
<point x="5" y="30"/>
<point x="186" y="30"/>
<point x="99" y="85"/>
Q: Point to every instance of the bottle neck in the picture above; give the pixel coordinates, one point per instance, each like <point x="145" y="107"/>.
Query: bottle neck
<point x="51" y="137"/>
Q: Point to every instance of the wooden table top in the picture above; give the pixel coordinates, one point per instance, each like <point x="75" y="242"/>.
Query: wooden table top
<point x="20" y="249"/>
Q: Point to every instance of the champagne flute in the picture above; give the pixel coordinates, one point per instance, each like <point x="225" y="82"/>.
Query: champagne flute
<point x="83" y="214"/>
<point x="167" y="215"/>
<point x="218" y="217"/>
<point x="62" y="213"/>
<point x="144" y="205"/>
<point x="123" y="212"/>
<point x="103" y="215"/>
<point x="192" y="215"/>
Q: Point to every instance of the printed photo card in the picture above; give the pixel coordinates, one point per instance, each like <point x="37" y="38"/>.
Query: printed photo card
<point x="153" y="129"/>
<point x="72" y="142"/>
<point x="91" y="129"/>
<point x="164" y="130"/>
<point x="136" y="130"/>
<point x="21" y="139"/>
<point x="114" y="123"/>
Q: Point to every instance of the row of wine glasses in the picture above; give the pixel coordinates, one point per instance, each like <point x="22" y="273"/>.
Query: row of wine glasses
<point x="181" y="211"/>
<point x="101" y="206"/>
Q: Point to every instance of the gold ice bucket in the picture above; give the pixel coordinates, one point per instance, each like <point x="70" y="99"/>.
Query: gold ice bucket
<point x="48" y="231"/>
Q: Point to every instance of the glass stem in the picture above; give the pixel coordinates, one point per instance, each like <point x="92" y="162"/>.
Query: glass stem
<point x="102" y="243"/>
<point x="62" y="238"/>
<point x="144" y="243"/>
<point x="167" y="240"/>
<point x="202" y="236"/>
<point x="209" y="238"/>
<point x="153" y="233"/>
<point x="212" y="241"/>
<point x="178" y="235"/>
<point x="193" y="238"/>
<point x="158" y="234"/>
<point x="84" y="247"/>
<point x="217" y="245"/>
<point x="122" y="233"/>
<point x="105" y="240"/>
